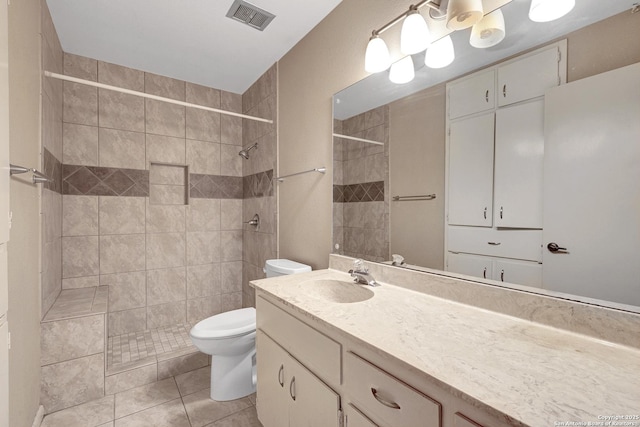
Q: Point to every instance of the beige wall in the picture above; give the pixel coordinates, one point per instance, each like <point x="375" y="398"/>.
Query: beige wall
<point x="24" y="279"/>
<point x="330" y="58"/>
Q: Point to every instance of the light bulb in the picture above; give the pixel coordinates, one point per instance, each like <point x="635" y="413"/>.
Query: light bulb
<point x="376" y="58"/>
<point x="414" y="36"/>
<point x="489" y="31"/>
<point x="463" y="14"/>
<point x="440" y="54"/>
<point x="402" y="71"/>
<point x="548" y="10"/>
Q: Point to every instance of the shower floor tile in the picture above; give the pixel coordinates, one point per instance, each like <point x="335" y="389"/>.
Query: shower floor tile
<point x="137" y="346"/>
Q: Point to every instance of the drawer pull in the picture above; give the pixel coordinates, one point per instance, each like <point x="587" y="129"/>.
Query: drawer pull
<point x="484" y="273"/>
<point x="502" y="276"/>
<point x="292" y="388"/>
<point x="281" y="376"/>
<point x="392" y="405"/>
<point x="485" y="213"/>
<point x="494" y="243"/>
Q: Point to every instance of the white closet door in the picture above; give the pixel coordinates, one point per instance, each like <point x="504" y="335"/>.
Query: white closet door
<point x="518" y="165"/>
<point x="470" y="183"/>
<point x="592" y="186"/>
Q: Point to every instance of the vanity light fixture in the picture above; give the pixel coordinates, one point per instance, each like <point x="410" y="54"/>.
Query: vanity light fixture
<point x="402" y="71"/>
<point x="463" y="14"/>
<point x="376" y="58"/>
<point x="489" y="31"/>
<point x="414" y="37"/>
<point x="440" y="54"/>
<point x="549" y="10"/>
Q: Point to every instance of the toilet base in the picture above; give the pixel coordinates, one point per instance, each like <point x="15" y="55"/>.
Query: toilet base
<point x="231" y="378"/>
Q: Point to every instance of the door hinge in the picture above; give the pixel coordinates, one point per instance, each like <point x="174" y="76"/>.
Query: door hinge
<point x="10" y="219"/>
<point x="341" y="418"/>
<point x="8" y="340"/>
<point x="559" y="55"/>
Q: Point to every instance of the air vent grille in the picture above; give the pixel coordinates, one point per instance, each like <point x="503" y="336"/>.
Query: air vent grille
<point x="249" y="14"/>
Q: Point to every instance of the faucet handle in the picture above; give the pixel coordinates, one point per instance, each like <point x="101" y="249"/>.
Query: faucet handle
<point x="358" y="265"/>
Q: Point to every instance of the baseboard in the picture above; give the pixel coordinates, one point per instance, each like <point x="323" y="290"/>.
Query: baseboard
<point x="37" y="421"/>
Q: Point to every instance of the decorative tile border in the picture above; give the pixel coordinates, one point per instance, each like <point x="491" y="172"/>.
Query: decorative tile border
<point x="215" y="187"/>
<point x="101" y="181"/>
<point x="52" y="168"/>
<point x="258" y="185"/>
<point x="364" y="192"/>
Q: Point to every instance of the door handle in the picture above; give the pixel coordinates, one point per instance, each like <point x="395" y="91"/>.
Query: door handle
<point x="500" y="212"/>
<point x="553" y="247"/>
<point x="485" y="213"/>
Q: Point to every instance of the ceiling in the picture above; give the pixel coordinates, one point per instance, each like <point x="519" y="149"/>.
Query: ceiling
<point x="521" y="34"/>
<point x="190" y="40"/>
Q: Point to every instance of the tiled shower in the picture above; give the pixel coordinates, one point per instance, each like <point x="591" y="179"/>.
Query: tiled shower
<point x="143" y="227"/>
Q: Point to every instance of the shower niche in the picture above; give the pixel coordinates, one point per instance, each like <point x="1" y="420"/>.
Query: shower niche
<point x="168" y="184"/>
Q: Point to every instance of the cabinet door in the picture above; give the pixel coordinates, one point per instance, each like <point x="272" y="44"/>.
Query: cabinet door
<point x="354" y="418"/>
<point x="518" y="165"/>
<point x="273" y="378"/>
<point x="312" y="403"/>
<point x="471" y="265"/>
<point x="528" y="77"/>
<point x="518" y="272"/>
<point x="472" y="95"/>
<point x="471" y="171"/>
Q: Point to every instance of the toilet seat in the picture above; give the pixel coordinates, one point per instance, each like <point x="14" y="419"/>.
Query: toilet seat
<point x="231" y="324"/>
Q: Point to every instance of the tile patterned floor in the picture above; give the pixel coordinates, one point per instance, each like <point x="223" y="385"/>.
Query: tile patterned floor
<point x="135" y="346"/>
<point x="181" y="401"/>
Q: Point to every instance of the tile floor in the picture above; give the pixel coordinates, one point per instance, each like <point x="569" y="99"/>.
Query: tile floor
<point x="135" y="346"/>
<point x="180" y="401"/>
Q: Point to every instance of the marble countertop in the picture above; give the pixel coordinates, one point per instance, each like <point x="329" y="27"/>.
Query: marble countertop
<point x="531" y="373"/>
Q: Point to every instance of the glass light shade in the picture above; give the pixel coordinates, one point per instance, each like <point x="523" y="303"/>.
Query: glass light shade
<point x="414" y="36"/>
<point x="548" y="10"/>
<point x="463" y="14"/>
<point x="440" y="54"/>
<point x="402" y="71"/>
<point x="376" y="58"/>
<point x="489" y="31"/>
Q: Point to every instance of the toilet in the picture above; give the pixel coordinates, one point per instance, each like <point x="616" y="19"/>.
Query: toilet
<point x="230" y="339"/>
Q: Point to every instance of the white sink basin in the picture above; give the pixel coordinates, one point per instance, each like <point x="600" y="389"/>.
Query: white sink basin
<point x="340" y="291"/>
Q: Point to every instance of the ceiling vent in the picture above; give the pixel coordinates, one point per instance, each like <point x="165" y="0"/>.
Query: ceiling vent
<point x="249" y="14"/>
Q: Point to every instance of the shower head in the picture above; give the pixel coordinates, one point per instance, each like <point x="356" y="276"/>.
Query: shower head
<point x="245" y="151"/>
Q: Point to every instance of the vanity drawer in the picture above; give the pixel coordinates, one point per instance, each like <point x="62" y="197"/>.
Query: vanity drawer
<point x="315" y="350"/>
<point x="515" y="244"/>
<point x="460" y="420"/>
<point x="386" y="399"/>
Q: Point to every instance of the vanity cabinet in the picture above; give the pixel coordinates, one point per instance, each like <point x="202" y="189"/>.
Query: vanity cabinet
<point x="290" y="395"/>
<point x="354" y="418"/>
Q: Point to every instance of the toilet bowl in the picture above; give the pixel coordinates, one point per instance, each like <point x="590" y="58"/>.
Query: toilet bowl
<point x="230" y="339"/>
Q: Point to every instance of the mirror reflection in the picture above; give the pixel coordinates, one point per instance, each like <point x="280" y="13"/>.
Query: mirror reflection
<point x="454" y="231"/>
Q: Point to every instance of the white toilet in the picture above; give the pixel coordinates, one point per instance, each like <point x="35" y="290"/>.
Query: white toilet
<point x="230" y="339"/>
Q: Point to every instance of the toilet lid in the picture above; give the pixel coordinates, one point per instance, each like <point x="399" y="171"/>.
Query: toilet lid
<point x="226" y="325"/>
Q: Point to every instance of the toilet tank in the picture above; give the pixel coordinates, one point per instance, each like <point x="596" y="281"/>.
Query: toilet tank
<point x="282" y="267"/>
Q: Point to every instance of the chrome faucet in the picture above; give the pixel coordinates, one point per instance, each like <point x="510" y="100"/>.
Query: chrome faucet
<point x="361" y="274"/>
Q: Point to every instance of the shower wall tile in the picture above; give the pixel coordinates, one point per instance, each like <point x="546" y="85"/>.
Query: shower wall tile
<point x="231" y="217"/>
<point x="121" y="149"/>
<point x="172" y="313"/>
<point x="51" y="123"/>
<point x="127" y="321"/>
<point x="202" y="125"/>
<point x="165" y="250"/>
<point x="166" y="285"/>
<point x="165" y="149"/>
<point x="126" y="290"/>
<point x="80" y="104"/>
<point x="80" y="67"/>
<point x="122" y="253"/>
<point x="231" y="277"/>
<point x="98" y="181"/>
<point x="79" y="215"/>
<point x="80" y="256"/>
<point x="117" y="75"/>
<point x="201" y="308"/>
<point x="231" y="245"/>
<point x="70" y="339"/>
<point x="232" y="301"/>
<point x="81" y="282"/>
<point x="72" y="382"/>
<point x="203" y="280"/>
<point x="165" y="219"/>
<point x="203" y="215"/>
<point x="164" y="86"/>
<point x="80" y="144"/>
<point x="164" y="119"/>
<point x="203" y="157"/>
<point x="215" y="187"/>
<point x="230" y="161"/>
<point x="203" y="95"/>
<point x="203" y="247"/>
<point x="167" y="174"/>
<point x="167" y="194"/>
<point x="122" y="215"/>
<point x="121" y="111"/>
<point x="231" y="130"/>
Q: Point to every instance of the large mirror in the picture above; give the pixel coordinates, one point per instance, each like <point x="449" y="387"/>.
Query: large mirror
<point x="390" y="144"/>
